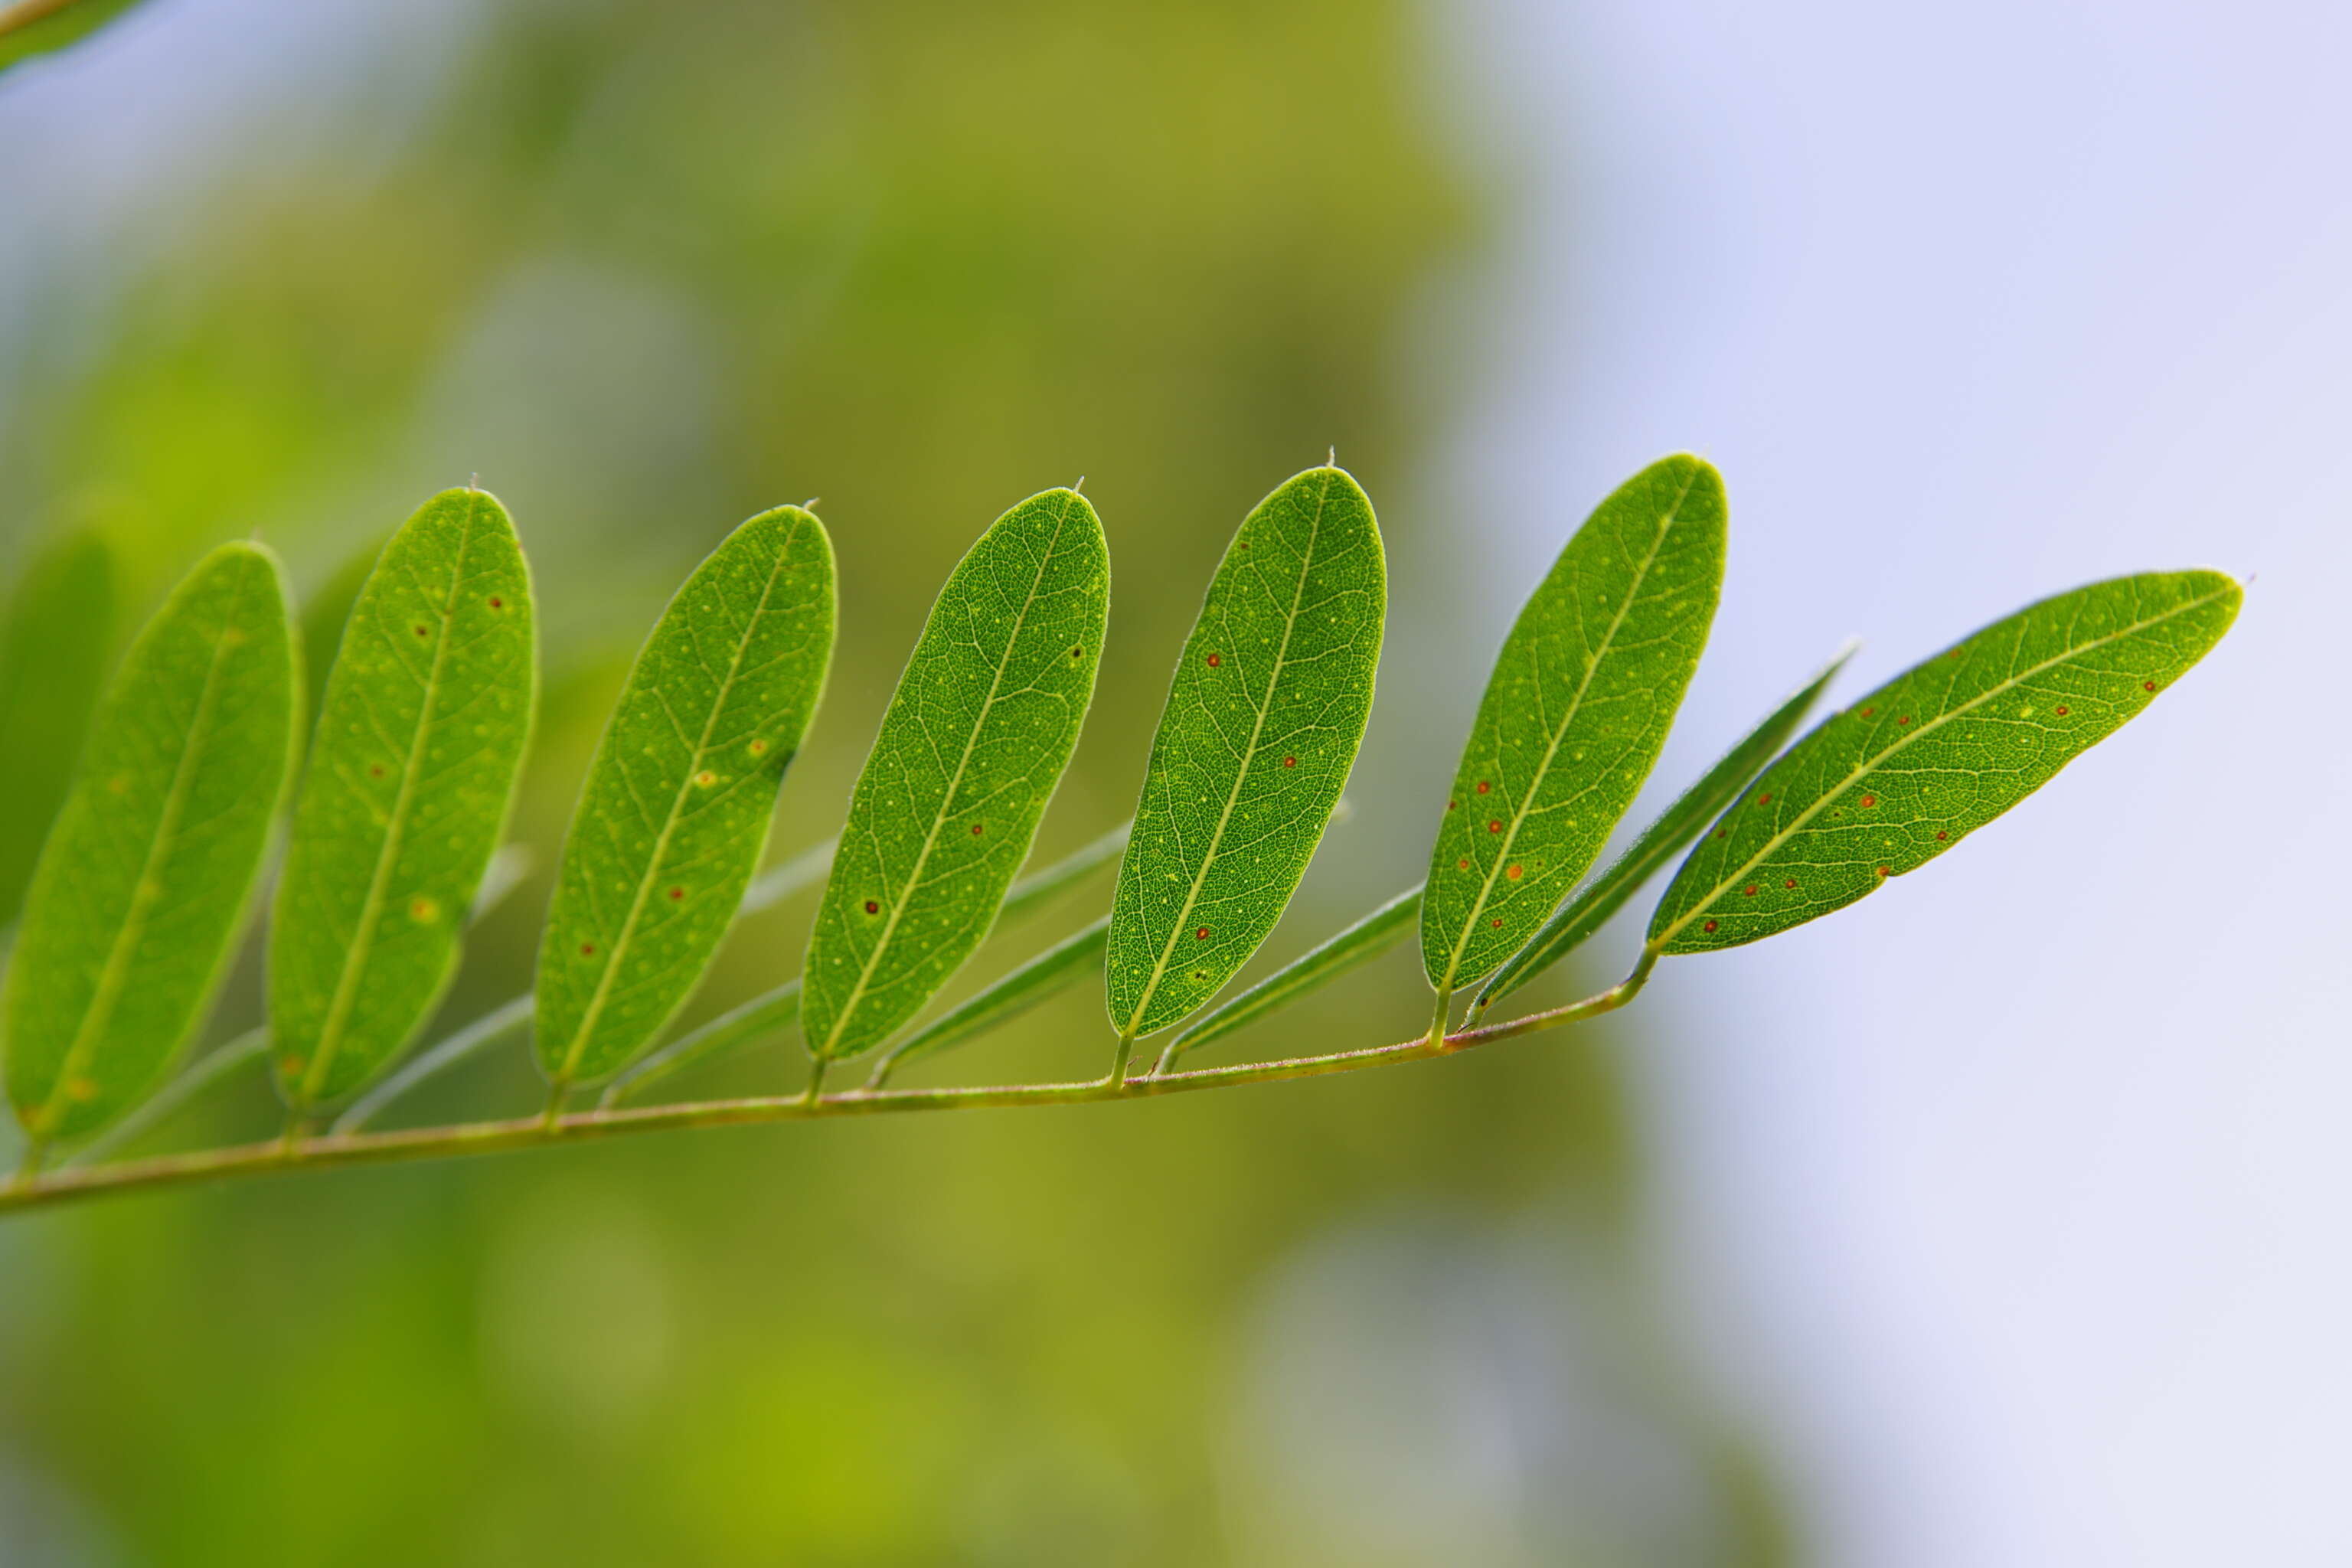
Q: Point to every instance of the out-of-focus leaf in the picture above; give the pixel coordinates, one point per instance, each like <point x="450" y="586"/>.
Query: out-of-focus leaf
<point x="412" y="769"/>
<point x="139" y="893"/>
<point x="974" y="744"/>
<point x="1311" y="971"/>
<point x="1660" y="842"/>
<point x="1263" y="722"/>
<point x="1042" y="886"/>
<point x="1048" y="974"/>
<point x="1905" y="773"/>
<point x="53" y="645"/>
<point x="1581" y="698"/>
<point x="31" y="27"/>
<point x="674" y="818"/>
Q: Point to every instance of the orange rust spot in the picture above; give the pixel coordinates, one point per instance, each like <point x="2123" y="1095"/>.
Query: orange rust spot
<point x="376" y="771"/>
<point x="1764" y="799"/>
<point x="1941" y="835"/>
<point x="498" y="603"/>
<point x="422" y="909"/>
<point x="2061" y="710"/>
<point x="587" y="950"/>
<point x="1290" y="761"/>
<point x="706" y="778"/>
<point x="1513" y="873"/>
<point x="1494" y="826"/>
<point x="1483" y="786"/>
<point x="1462" y="864"/>
<point x="420" y="631"/>
<point x="1884" y="872"/>
<point x="1498" y="921"/>
<point x="1214" y="661"/>
<point x="872" y="907"/>
<point x="1905" y="719"/>
<point x="1200" y="935"/>
<point x="759" y="748"/>
<point x="1869" y="800"/>
<point x="1709" y="926"/>
<point x="1723" y="832"/>
<point x="675" y="894"/>
<point x="1790" y="883"/>
<point x="975" y="830"/>
<point x="2148" y="685"/>
<point x="1748" y="891"/>
<point x="1868" y="711"/>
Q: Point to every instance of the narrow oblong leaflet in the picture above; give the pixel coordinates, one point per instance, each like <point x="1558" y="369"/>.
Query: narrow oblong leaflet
<point x="1911" y="769"/>
<point x="970" y="751"/>
<point x="54" y="639"/>
<point x="1264" y="719"/>
<point x="1668" y="836"/>
<point x="426" y="711"/>
<point x="673" y="816"/>
<point x="136" y="904"/>
<point x="1582" y="694"/>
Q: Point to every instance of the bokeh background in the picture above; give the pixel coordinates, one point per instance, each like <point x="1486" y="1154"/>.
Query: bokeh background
<point x="1999" y="1220"/>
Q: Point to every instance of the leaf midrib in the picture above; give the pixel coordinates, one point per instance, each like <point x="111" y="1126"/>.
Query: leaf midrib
<point x="347" y="983"/>
<point x="947" y="798"/>
<point x="147" y="889"/>
<point x="1908" y="738"/>
<point x="1240" y="775"/>
<point x="593" y="1012"/>
<point x="1552" y="750"/>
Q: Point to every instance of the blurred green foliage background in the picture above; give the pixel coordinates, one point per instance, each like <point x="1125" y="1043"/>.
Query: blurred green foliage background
<point x="647" y="269"/>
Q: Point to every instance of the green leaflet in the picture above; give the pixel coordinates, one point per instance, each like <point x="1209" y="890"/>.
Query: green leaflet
<point x="53" y="648"/>
<point x="137" y="901"/>
<point x="974" y="744"/>
<point x="1264" y="718"/>
<point x="1048" y="974"/>
<point x="1660" y="842"/>
<point x="1356" y="945"/>
<point x="326" y="610"/>
<point x="1893" y="781"/>
<point x="44" y="31"/>
<point x="1579" y="703"/>
<point x="673" y="816"/>
<point x="421" y="730"/>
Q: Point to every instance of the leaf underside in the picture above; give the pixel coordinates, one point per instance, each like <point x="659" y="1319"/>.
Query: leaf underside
<point x="1264" y="719"/>
<point x="1582" y="694"/>
<point x="673" y="816"/>
<point x="970" y="751"/>
<point x="420" y="735"/>
<point x="53" y="648"/>
<point x="1906" y="773"/>
<point x="1660" y="842"/>
<point x="143" y="885"/>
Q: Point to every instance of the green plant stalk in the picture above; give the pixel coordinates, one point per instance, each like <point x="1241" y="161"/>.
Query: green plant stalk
<point x="336" y="1150"/>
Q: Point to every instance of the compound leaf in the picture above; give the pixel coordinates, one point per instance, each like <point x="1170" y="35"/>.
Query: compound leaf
<point x="53" y="648"/>
<point x="1264" y="719"/>
<point x="1579" y="703"/>
<point x="135" y="906"/>
<point x="421" y="732"/>
<point x="969" y="751"/>
<point x="1903" y="775"/>
<point x="1660" y="842"/>
<point x="674" y="818"/>
<point x="1359" y="944"/>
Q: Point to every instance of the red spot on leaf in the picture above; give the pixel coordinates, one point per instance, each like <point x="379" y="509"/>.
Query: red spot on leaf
<point x="1514" y="872"/>
<point x="1200" y="935"/>
<point x="1941" y="835"/>
<point x="1869" y="800"/>
<point x="1483" y="786"/>
<point x="675" y="894"/>
<point x="1462" y="864"/>
<point x="2148" y="685"/>
<point x="1790" y="883"/>
<point x="1214" y="661"/>
<point x="1868" y="711"/>
<point x="1905" y="719"/>
<point x="1709" y="926"/>
<point x="975" y="830"/>
<point x="1494" y="826"/>
<point x="872" y="907"/>
<point x="1748" y="891"/>
<point x="587" y="950"/>
<point x="1885" y="871"/>
<point x="498" y="603"/>
<point x="1290" y="761"/>
<point x="2061" y="710"/>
